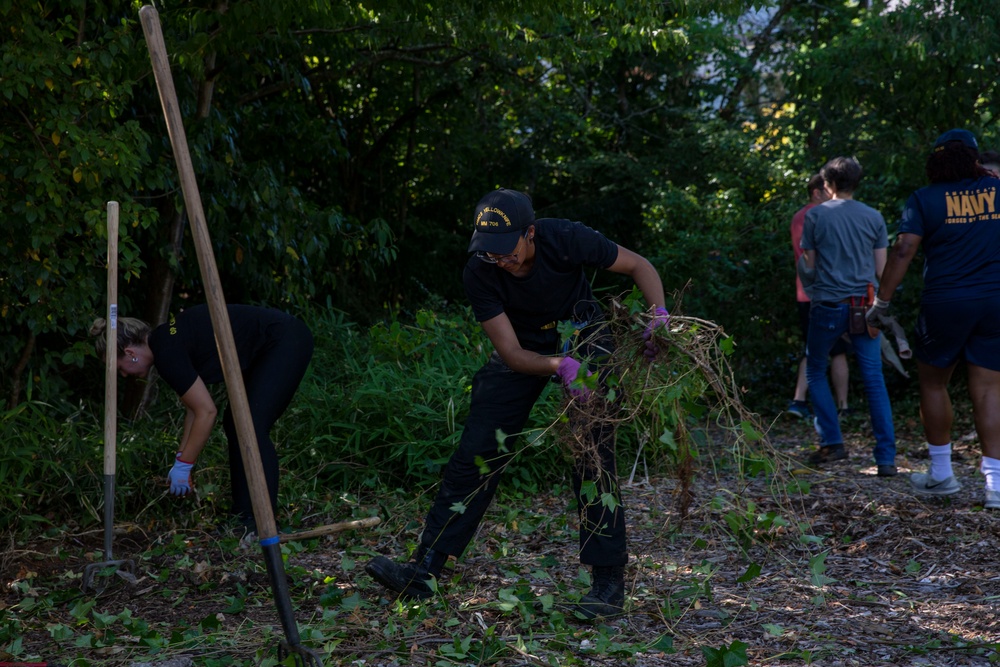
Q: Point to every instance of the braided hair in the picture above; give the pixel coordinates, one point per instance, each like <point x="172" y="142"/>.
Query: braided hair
<point x="954" y="161"/>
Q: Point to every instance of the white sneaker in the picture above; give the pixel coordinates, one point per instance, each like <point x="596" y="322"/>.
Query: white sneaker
<point x="925" y="485"/>
<point x="992" y="500"/>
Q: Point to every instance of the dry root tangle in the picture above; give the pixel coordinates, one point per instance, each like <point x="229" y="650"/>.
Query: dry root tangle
<point x="686" y="393"/>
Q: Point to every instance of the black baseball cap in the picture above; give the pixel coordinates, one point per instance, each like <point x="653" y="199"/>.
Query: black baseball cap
<point x="967" y="138"/>
<point x="501" y="217"/>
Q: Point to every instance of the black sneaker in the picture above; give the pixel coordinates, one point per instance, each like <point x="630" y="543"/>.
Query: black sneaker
<point x="828" y="453"/>
<point x="607" y="594"/>
<point x="886" y="470"/>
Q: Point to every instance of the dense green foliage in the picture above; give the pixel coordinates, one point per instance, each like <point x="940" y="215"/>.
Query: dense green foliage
<point x="379" y="408"/>
<point x="340" y="149"/>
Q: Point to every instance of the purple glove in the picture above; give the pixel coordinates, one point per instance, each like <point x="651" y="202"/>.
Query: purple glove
<point x="180" y="477"/>
<point x="568" y="370"/>
<point x="661" y="318"/>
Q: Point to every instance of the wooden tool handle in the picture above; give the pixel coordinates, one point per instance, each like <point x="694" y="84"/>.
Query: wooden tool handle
<point x="329" y="529"/>
<point x="111" y="345"/>
<point x="238" y="401"/>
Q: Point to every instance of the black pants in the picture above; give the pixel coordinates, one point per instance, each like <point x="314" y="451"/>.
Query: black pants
<point x="271" y="381"/>
<point x="502" y="400"/>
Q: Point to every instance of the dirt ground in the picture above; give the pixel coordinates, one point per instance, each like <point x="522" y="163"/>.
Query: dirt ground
<point x="856" y="572"/>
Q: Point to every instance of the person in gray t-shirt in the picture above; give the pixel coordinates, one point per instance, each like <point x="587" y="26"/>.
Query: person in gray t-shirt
<point x="844" y="250"/>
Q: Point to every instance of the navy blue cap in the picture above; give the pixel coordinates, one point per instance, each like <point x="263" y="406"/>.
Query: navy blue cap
<point x="966" y="137"/>
<point x="501" y="217"/>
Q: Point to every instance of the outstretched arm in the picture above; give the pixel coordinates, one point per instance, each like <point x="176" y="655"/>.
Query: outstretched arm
<point x="900" y="256"/>
<point x="501" y="334"/>
<point x="643" y="274"/>
<point x="518" y="359"/>
<point x="198" y="422"/>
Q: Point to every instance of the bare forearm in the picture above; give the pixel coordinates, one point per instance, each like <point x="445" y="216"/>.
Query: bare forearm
<point x="197" y="429"/>
<point x="899" y="258"/>
<point x="643" y="274"/>
<point x="501" y="334"/>
<point x="880" y="256"/>
<point x="647" y="279"/>
<point x="530" y="363"/>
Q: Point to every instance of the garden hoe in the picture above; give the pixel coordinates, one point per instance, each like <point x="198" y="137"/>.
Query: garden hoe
<point x="264" y="515"/>
<point x="123" y="568"/>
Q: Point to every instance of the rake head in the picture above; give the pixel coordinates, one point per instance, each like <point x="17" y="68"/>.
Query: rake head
<point x="125" y="569"/>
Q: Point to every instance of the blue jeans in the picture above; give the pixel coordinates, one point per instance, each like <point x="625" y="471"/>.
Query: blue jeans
<point x="826" y="325"/>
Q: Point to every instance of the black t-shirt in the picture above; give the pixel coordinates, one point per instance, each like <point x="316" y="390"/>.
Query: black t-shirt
<point x="184" y="348"/>
<point x="554" y="291"/>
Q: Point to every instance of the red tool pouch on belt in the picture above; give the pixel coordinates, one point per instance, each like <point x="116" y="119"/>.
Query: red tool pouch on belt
<point x="856" y="323"/>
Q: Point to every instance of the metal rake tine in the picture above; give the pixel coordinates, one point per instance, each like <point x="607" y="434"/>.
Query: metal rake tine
<point x="124" y="569"/>
<point x="90" y="577"/>
<point x="128" y="577"/>
<point x="87" y="582"/>
<point x="311" y="659"/>
<point x="306" y="657"/>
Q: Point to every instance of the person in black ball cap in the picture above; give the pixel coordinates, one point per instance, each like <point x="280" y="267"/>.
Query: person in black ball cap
<point x="523" y="278"/>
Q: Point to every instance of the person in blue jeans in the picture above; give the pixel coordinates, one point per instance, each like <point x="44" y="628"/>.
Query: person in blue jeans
<point x="838" y="354"/>
<point x="844" y="251"/>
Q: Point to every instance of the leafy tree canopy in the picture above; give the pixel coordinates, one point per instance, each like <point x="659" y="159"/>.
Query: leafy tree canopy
<point x="340" y="147"/>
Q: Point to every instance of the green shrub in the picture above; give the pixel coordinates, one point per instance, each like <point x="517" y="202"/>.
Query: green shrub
<point x="386" y="407"/>
<point x="42" y="462"/>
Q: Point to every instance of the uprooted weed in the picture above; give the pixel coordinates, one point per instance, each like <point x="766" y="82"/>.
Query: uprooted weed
<point x="671" y="408"/>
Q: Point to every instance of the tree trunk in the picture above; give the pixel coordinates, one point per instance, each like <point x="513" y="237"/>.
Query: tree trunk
<point x="17" y="372"/>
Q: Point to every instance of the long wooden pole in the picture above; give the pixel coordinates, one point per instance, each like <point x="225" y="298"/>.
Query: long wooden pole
<point x="238" y="402"/>
<point x="124" y="568"/>
<point x="210" y="276"/>
<point x="111" y="378"/>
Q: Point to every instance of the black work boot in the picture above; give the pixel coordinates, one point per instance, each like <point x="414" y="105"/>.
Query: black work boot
<point x="408" y="580"/>
<point x="607" y="593"/>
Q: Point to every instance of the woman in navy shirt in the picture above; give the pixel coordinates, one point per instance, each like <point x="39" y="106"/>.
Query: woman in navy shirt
<point x="956" y="221"/>
<point x="274" y="350"/>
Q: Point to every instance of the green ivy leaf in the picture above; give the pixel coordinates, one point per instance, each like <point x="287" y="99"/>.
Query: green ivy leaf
<point x="752" y="572"/>
<point x="664" y="644"/>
